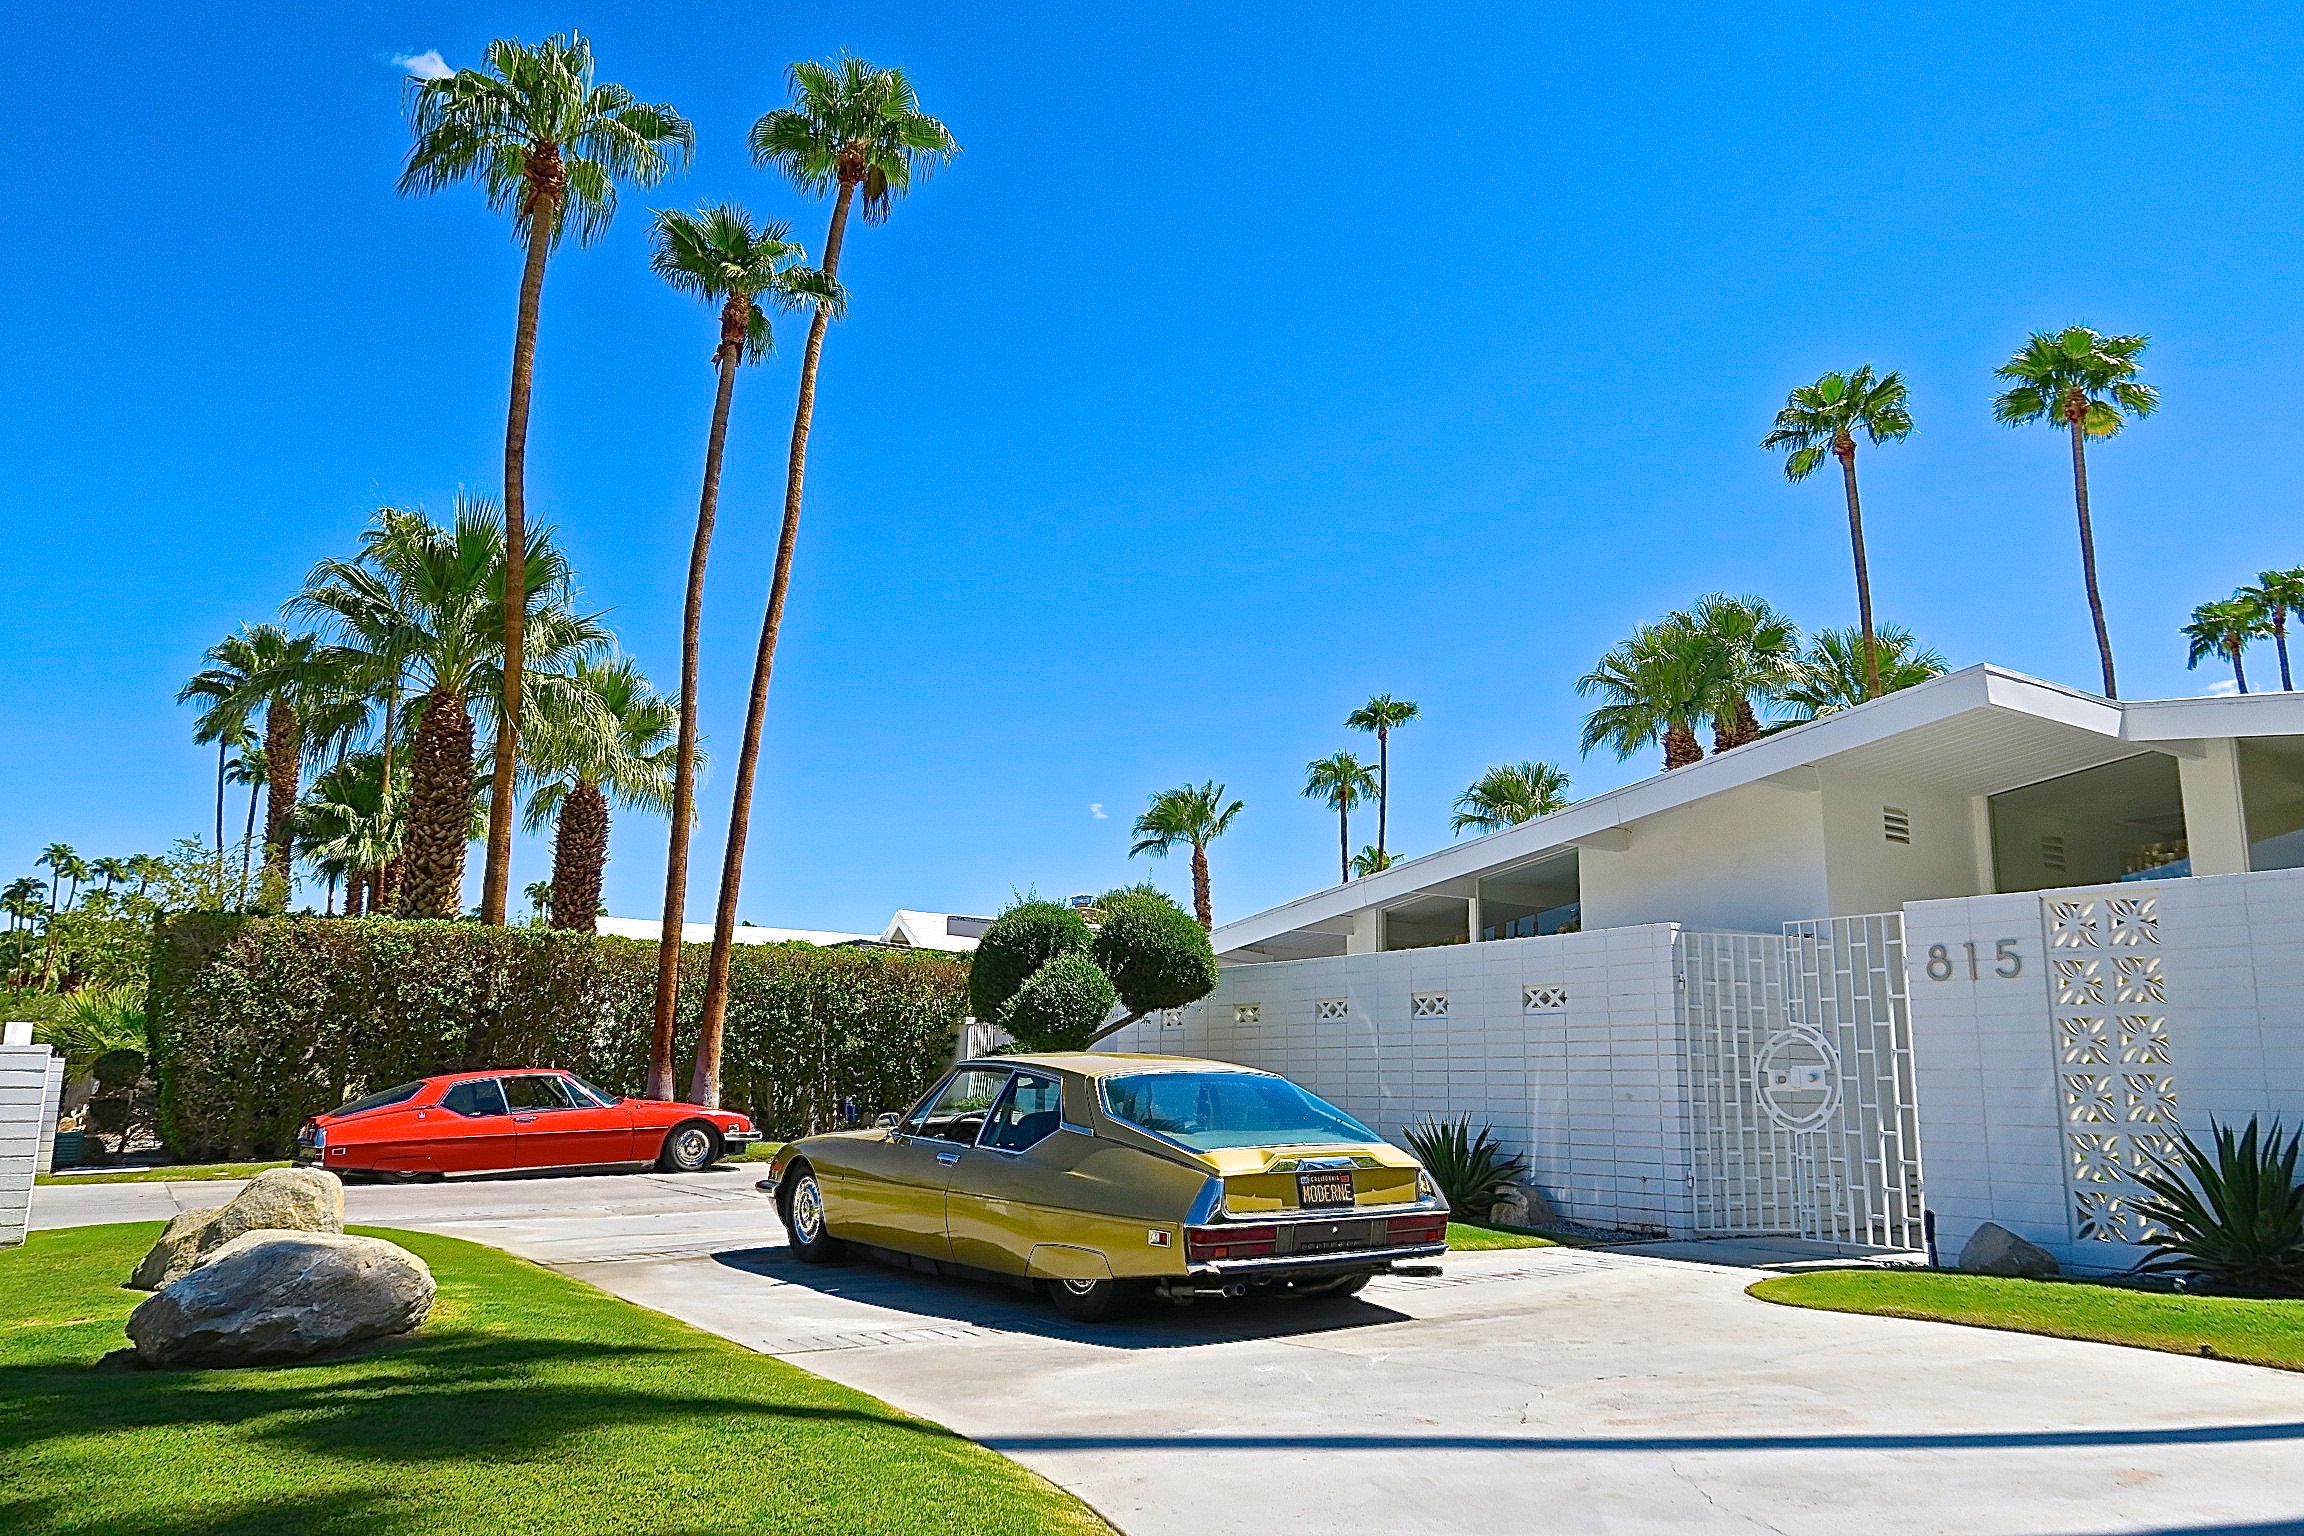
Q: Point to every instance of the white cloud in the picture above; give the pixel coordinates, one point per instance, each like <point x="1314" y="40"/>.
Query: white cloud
<point x="427" y="65"/>
<point x="2223" y="689"/>
<point x="1097" y="810"/>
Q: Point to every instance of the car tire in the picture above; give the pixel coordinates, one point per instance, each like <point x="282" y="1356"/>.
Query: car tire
<point x="691" y="1147"/>
<point x="1090" y="1301"/>
<point x="1350" y="1285"/>
<point x="801" y="1205"/>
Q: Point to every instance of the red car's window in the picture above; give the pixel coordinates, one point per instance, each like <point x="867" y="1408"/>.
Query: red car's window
<point x="537" y="1093"/>
<point x="383" y="1100"/>
<point x="599" y="1096"/>
<point x="485" y="1097"/>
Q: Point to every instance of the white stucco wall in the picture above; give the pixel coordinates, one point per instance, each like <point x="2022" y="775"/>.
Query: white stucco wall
<point x="1752" y="858"/>
<point x="1591" y="1093"/>
<point x="1864" y="872"/>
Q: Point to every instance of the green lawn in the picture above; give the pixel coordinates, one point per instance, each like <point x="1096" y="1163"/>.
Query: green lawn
<point x="1478" y="1237"/>
<point x="160" y="1175"/>
<point x="529" y="1402"/>
<point x="2224" y="1327"/>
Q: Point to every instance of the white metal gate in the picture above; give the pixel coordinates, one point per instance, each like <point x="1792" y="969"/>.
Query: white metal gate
<point x="1801" y="1107"/>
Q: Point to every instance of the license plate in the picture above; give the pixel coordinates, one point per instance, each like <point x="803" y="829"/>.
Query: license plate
<point x="1322" y="1189"/>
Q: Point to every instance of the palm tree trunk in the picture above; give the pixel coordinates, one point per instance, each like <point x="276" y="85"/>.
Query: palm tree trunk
<point x="496" y="880"/>
<point x="221" y="742"/>
<point x="2239" y="673"/>
<point x="356" y="893"/>
<point x="1343" y="845"/>
<point x="283" y="763"/>
<point x="1863" y="574"/>
<point x="330" y="909"/>
<point x="704" y="1086"/>
<point x="2280" y="644"/>
<point x="1680" y="746"/>
<point x="660" y="1067"/>
<point x="2088" y="556"/>
<point x="439" y="810"/>
<point x="248" y="842"/>
<point x="579" y="855"/>
<point x="1201" y="908"/>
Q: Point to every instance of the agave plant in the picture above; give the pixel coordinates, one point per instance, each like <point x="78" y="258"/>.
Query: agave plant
<point x="2234" y="1218"/>
<point x="1473" y="1171"/>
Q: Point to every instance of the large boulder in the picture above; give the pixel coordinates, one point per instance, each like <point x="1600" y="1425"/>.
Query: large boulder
<point x="1523" y="1205"/>
<point x="1994" y="1250"/>
<point x="267" y="1297"/>
<point x="276" y="1200"/>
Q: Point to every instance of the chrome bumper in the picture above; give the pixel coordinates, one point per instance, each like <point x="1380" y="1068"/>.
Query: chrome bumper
<point x="1342" y="1258"/>
<point x="740" y="1138"/>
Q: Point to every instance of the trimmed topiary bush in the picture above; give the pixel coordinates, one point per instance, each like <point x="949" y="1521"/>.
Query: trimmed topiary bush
<point x="1156" y="953"/>
<point x="1061" y="1005"/>
<point x="258" y="1022"/>
<point x="1019" y="942"/>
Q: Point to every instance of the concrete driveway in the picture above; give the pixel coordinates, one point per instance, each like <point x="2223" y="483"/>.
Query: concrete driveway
<point x="1537" y="1390"/>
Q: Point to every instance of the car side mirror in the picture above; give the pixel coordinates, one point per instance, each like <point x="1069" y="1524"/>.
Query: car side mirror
<point x="886" y="1122"/>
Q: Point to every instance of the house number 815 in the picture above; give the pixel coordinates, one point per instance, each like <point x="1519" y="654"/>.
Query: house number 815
<point x="2007" y="963"/>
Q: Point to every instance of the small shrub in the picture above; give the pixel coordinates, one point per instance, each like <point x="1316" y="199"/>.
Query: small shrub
<point x="1474" y="1172"/>
<point x="1061" y="1006"/>
<point x="1015" y="946"/>
<point x="2232" y="1218"/>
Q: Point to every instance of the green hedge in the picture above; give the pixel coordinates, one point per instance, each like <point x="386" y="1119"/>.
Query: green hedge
<point x="258" y="1022"/>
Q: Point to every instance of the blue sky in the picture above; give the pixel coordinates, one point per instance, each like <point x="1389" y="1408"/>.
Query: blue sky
<point x="1250" y="361"/>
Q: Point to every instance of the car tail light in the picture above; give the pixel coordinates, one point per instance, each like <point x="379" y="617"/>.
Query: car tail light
<point x="1416" y="1229"/>
<point x="1204" y="1245"/>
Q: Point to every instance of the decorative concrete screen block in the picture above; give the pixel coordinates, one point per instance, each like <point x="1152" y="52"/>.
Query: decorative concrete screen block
<point x="1543" y="999"/>
<point x="1331" y="1010"/>
<point x="1428" y="1005"/>
<point x="2116" y="1078"/>
<point x="1171" y="1018"/>
<point x="1247" y="1013"/>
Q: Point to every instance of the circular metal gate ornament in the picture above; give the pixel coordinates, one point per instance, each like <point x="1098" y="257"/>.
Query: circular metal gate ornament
<point x="1798" y="1078"/>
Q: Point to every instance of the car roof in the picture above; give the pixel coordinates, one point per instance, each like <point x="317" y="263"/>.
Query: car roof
<point x="1106" y="1063"/>
<point x="472" y="1077"/>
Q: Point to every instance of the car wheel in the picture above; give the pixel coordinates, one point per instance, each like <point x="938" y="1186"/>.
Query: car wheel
<point x="1089" y="1301"/>
<point x="1350" y="1285"/>
<point x="692" y="1147"/>
<point x="802" y="1207"/>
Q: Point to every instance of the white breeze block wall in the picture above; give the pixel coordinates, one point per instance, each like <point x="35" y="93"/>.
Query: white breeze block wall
<point x="1569" y="1045"/>
<point x="2136" y="1009"/>
<point x="24" y="1072"/>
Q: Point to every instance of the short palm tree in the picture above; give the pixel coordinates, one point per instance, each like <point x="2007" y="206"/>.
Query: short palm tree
<point x="1382" y="715"/>
<point x="1340" y="783"/>
<point x="1825" y="417"/>
<point x="2083" y="383"/>
<point x="851" y="129"/>
<point x="433" y="596"/>
<point x="1509" y="795"/>
<point x="1195" y="815"/>
<point x="1370" y="860"/>
<point x="1834" y="676"/>
<point x="350" y="822"/>
<point x="608" y="735"/>
<point x="1750" y="651"/>
<point x="2224" y="628"/>
<point x="284" y="677"/>
<point x="2278" y="594"/>
<point x="548" y="146"/>
<point x="251" y="770"/>
<point x="1653" y="688"/>
<point x="719" y="256"/>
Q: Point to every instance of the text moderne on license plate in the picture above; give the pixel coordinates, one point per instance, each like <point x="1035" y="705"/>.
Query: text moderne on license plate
<point x="1324" y="1188"/>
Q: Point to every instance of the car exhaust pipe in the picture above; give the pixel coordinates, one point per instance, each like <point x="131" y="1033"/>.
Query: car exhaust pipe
<point x="1187" y="1294"/>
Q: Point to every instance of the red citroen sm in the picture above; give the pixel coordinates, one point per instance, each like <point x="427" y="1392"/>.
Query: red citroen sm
<point x="478" y="1122"/>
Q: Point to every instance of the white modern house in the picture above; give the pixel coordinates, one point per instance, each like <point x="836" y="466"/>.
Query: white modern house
<point x="949" y="932"/>
<point x="1969" y="949"/>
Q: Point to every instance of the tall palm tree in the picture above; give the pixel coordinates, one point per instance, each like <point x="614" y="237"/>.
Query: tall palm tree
<point x="60" y="861"/>
<point x="851" y="129"/>
<point x="2080" y="382"/>
<point x="223" y="720"/>
<point x="2224" y="628"/>
<point x="548" y="146"/>
<point x="1340" y="783"/>
<point x="285" y="677"/>
<point x="1193" y="814"/>
<point x="1509" y="795"/>
<point x="610" y="736"/>
<point x="1654" y="687"/>
<point x="251" y="770"/>
<point x="436" y="594"/>
<point x="1833" y="675"/>
<point x="1383" y="715"/>
<point x="1749" y="651"/>
<point x="2278" y="594"/>
<point x="1824" y="417"/>
<point x="716" y="255"/>
<point x="111" y="872"/>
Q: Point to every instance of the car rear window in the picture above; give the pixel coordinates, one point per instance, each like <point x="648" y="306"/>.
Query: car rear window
<point x="1211" y="1110"/>
<point x="384" y="1100"/>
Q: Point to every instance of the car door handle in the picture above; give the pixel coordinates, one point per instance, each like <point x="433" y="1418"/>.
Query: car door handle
<point x="522" y="1119"/>
<point x="947" y="1157"/>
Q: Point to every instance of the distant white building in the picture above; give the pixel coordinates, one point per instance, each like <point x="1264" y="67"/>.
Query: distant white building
<point x="946" y="931"/>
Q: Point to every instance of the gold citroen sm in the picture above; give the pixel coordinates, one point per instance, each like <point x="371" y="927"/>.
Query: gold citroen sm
<point x="1104" y="1178"/>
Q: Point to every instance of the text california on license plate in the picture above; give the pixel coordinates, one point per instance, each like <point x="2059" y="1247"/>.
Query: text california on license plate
<point x="1324" y="1188"/>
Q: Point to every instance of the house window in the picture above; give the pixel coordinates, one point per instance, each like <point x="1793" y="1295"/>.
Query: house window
<point x="1428" y="1005"/>
<point x="2118" y="821"/>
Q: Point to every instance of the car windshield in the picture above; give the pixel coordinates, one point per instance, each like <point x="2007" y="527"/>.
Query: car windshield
<point x="1211" y="1110"/>
<point x="600" y="1096"/>
<point x="387" y="1098"/>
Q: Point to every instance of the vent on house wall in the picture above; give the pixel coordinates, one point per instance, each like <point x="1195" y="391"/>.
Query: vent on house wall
<point x="1247" y="1013"/>
<point x="1428" y="1005"/>
<point x="1896" y="824"/>
<point x="2052" y="852"/>
<point x="1330" y="1009"/>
